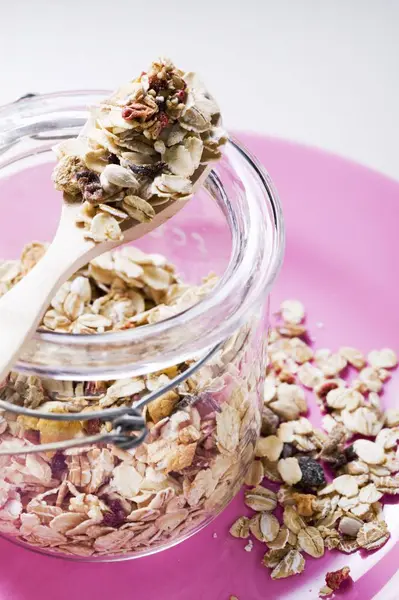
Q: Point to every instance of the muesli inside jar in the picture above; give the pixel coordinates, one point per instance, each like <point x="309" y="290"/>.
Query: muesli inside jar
<point x="101" y="500"/>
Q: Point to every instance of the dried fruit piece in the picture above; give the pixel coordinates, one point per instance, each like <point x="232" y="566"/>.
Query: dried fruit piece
<point x="304" y="504"/>
<point x="312" y="472"/>
<point x="334" y="579"/>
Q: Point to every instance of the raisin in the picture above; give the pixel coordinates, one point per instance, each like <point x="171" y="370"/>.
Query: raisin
<point x="113" y="159"/>
<point x="58" y="465"/>
<point x="116" y="515"/>
<point x="89" y="185"/>
<point x="92" y="427"/>
<point x="312" y="473"/>
<point x="148" y="170"/>
<point x="335" y="578"/>
<point x="350" y="453"/>
<point x="288" y="451"/>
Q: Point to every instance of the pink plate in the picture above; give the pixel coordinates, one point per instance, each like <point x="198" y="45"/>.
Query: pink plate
<point x="341" y="257"/>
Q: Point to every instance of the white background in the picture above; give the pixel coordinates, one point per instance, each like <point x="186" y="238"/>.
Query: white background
<point x="323" y="72"/>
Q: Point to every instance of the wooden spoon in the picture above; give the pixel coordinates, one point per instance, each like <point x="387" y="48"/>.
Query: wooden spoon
<point x="22" y="308"/>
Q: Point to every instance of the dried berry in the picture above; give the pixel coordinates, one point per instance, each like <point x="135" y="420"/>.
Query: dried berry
<point x="116" y="515"/>
<point x="181" y="95"/>
<point x="157" y="84"/>
<point x="350" y="453"/>
<point x="137" y="110"/>
<point x="288" y="450"/>
<point x="92" y="427"/>
<point x="334" y="579"/>
<point x="90" y="186"/>
<point x="148" y="170"/>
<point x="113" y="159"/>
<point x="312" y="473"/>
<point x="163" y="120"/>
<point x="58" y="465"/>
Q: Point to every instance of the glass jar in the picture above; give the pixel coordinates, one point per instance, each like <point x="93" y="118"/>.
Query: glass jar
<point x="205" y="362"/>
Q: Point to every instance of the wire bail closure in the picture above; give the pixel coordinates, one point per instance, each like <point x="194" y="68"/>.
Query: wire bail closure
<point x="126" y="421"/>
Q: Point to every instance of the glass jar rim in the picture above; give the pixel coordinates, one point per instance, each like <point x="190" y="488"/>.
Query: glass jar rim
<point x="258" y="247"/>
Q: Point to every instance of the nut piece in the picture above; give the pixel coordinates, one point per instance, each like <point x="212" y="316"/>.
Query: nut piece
<point x="350" y="526"/>
<point x="311" y="542"/>
<point x="346" y="485"/>
<point x="289" y="470"/>
<point x="270" y="447"/>
<point x="369" y="452"/>
<point x="240" y="528"/>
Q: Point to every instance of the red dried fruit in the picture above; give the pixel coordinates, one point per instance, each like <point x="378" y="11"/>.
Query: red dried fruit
<point x="181" y="95"/>
<point x="163" y="120"/>
<point x="334" y="579"/>
<point x="138" y="111"/>
<point x="92" y="427"/>
<point x="157" y="84"/>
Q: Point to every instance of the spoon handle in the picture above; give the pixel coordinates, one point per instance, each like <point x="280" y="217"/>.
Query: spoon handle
<point x="22" y="307"/>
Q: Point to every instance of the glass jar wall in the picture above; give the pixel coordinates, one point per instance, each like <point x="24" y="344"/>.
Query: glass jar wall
<point x="156" y="311"/>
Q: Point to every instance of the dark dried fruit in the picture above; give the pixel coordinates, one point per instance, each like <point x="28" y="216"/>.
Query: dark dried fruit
<point x="312" y="473"/>
<point x="92" y="427"/>
<point x="116" y="515"/>
<point x="334" y="579"/>
<point x="157" y="84"/>
<point x="332" y="450"/>
<point x="32" y="435"/>
<point x="288" y="451"/>
<point x="89" y="185"/>
<point x="148" y="170"/>
<point x="113" y="159"/>
<point x="270" y="422"/>
<point x="350" y="453"/>
<point x="58" y="465"/>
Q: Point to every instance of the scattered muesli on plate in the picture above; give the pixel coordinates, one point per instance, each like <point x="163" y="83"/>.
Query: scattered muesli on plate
<point x="329" y="485"/>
